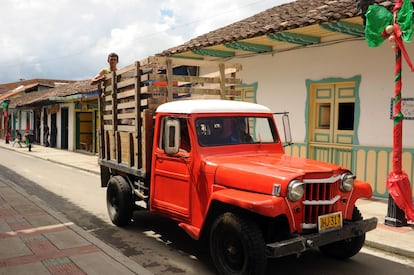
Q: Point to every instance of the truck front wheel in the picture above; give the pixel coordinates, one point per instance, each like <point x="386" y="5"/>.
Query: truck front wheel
<point x="237" y="245"/>
<point x="119" y="201"/>
<point x="346" y="248"/>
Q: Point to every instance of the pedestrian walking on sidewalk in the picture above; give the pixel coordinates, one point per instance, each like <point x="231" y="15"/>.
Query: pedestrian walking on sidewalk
<point x="18" y="139"/>
<point x="27" y="141"/>
<point x="8" y="137"/>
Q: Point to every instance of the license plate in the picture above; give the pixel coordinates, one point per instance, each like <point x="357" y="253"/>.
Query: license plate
<point x="329" y="222"/>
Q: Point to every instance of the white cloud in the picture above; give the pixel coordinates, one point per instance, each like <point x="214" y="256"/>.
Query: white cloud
<point x="70" y="39"/>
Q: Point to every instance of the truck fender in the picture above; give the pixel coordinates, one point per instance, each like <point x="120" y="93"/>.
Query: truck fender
<point x="262" y="204"/>
<point x="361" y="189"/>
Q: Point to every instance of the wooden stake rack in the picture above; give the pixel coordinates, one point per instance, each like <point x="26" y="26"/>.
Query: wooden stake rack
<point x="128" y="99"/>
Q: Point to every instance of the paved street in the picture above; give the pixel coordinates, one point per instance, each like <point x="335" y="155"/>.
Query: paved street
<point x="27" y="224"/>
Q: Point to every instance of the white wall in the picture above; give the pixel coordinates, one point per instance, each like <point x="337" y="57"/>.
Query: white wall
<point x="58" y="129"/>
<point x="281" y="84"/>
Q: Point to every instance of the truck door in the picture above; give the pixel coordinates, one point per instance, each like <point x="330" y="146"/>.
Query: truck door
<point x="171" y="185"/>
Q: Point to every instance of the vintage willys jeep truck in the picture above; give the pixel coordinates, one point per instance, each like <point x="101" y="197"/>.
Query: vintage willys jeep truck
<point x="218" y="168"/>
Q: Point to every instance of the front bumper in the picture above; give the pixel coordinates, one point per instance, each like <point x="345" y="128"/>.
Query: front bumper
<point x="302" y="243"/>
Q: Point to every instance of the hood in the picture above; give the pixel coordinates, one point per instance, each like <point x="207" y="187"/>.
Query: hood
<point x="258" y="172"/>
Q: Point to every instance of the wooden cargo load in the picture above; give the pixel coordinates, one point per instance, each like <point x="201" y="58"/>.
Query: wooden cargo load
<point x="129" y="97"/>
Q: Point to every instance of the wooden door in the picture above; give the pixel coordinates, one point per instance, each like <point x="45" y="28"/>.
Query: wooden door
<point x="64" y="131"/>
<point x="332" y="122"/>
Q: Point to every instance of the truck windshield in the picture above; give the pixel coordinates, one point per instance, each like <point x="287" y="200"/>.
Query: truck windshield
<point x="217" y="131"/>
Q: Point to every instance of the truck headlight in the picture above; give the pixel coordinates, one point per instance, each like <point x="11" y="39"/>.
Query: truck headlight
<point x="295" y="190"/>
<point x="347" y="182"/>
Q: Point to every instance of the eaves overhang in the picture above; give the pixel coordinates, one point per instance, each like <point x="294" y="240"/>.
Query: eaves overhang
<point x="74" y="97"/>
<point x="290" y="26"/>
<point x="312" y="35"/>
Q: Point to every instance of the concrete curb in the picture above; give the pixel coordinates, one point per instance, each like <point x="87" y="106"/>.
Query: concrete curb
<point x="389" y="249"/>
<point x="51" y="160"/>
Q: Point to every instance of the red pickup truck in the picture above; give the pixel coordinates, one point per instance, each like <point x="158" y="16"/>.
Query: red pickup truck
<point x="218" y="168"/>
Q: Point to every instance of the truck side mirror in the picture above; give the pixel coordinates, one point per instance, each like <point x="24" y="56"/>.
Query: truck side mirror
<point x="284" y="116"/>
<point x="286" y="129"/>
<point x="171" y="136"/>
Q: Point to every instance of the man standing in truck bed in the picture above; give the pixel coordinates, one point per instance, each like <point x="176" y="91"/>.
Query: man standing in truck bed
<point x="113" y="60"/>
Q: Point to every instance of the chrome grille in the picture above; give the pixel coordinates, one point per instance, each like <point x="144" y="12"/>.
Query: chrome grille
<point x="319" y="199"/>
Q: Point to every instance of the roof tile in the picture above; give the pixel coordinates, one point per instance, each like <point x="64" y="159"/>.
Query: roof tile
<point x="287" y="16"/>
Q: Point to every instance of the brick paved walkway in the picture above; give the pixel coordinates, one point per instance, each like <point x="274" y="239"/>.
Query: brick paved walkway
<point x="34" y="240"/>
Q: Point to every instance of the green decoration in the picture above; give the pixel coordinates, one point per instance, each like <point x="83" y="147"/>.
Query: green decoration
<point x="378" y="18"/>
<point x="258" y="48"/>
<point x="345" y="28"/>
<point x="5" y="105"/>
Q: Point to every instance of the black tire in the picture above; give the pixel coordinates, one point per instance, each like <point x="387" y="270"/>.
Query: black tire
<point x="119" y="201"/>
<point x="346" y="248"/>
<point x="237" y="246"/>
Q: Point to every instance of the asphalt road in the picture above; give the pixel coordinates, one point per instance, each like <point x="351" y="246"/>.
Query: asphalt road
<point x="154" y="242"/>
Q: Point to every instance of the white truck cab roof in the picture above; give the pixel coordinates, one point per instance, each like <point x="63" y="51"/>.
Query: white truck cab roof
<point x="211" y="106"/>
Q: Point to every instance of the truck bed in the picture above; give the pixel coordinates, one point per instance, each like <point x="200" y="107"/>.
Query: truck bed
<point x="128" y="99"/>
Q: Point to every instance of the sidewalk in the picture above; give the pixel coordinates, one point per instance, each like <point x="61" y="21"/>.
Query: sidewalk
<point x="34" y="239"/>
<point x="19" y="233"/>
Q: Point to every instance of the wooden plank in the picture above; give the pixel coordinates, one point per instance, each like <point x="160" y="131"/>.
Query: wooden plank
<point x="114" y="100"/>
<point x="127" y="93"/>
<point x="227" y="71"/>
<point x="126" y="115"/>
<point x="136" y="143"/>
<point x="101" y="136"/>
<point x="126" y="69"/>
<point x="169" y="77"/>
<point x="124" y="147"/>
<point x="146" y="77"/>
<point x="222" y="77"/>
<point x="126" y="128"/>
<point x="108" y="107"/>
<point x="183" y="90"/>
<point x="126" y="105"/>
<point x="107" y="117"/>
<point x="196" y="79"/>
<point x="108" y="143"/>
<point x="144" y="90"/>
<point x="108" y="99"/>
<point x="147" y="139"/>
<point x="126" y="82"/>
<point x="107" y="91"/>
<point x="118" y="148"/>
<point x="176" y="62"/>
<point x="108" y="127"/>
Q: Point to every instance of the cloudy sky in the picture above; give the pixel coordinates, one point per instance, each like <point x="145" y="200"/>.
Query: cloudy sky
<point x="70" y="39"/>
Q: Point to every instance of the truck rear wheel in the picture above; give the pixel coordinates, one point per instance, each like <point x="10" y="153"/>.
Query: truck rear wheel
<point x="119" y="201"/>
<point x="346" y="248"/>
<point x="237" y="245"/>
